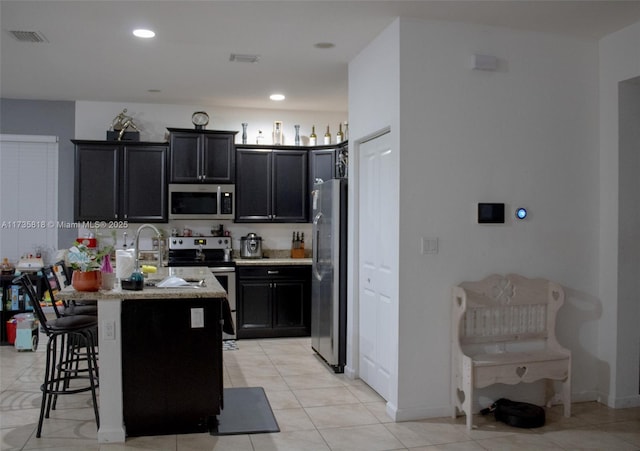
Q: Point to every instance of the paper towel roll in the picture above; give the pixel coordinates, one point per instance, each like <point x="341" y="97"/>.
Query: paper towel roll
<point x="125" y="263"/>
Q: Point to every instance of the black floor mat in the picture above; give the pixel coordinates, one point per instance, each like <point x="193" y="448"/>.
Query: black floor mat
<point x="246" y="411"/>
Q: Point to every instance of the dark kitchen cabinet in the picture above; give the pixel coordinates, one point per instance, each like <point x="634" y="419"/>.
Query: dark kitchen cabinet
<point x="273" y="301"/>
<point x="271" y="184"/>
<point x="171" y="370"/>
<point x="118" y="180"/>
<point x="201" y="156"/>
<point x="326" y="163"/>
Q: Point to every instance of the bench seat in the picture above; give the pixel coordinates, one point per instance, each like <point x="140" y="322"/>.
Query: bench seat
<point x="515" y="317"/>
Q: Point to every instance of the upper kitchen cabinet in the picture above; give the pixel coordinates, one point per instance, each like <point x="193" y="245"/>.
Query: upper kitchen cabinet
<point x="202" y="156"/>
<point x="120" y="180"/>
<point x="326" y="163"/>
<point x="271" y="184"/>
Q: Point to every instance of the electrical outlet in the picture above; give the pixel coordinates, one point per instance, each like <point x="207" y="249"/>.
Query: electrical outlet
<point x="197" y="318"/>
<point x="108" y="330"/>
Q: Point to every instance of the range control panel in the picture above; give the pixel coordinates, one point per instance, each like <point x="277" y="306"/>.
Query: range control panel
<point x="199" y="242"/>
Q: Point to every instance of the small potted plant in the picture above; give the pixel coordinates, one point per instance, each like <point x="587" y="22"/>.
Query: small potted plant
<point x="86" y="262"/>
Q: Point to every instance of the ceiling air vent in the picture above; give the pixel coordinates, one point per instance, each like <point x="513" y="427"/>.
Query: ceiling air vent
<point x="244" y="58"/>
<point x="28" y="36"/>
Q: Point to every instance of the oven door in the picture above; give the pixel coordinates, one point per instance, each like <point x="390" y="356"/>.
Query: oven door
<point x="227" y="278"/>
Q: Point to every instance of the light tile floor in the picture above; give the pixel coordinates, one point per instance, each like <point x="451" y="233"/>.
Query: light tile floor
<point x="315" y="408"/>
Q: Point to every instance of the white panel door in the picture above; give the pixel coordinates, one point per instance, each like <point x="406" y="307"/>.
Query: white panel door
<point x="29" y="196"/>
<point x="378" y="294"/>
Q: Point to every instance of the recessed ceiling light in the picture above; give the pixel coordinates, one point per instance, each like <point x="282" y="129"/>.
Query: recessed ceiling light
<point x="277" y="97"/>
<point x="324" y="45"/>
<point x="143" y="33"/>
<point x="153" y="90"/>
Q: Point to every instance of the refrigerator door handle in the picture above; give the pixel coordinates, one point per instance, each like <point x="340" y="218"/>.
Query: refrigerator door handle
<point x="316" y="245"/>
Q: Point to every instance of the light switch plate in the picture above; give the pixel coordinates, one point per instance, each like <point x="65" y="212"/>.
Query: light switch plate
<point x="197" y="318"/>
<point x="428" y="245"/>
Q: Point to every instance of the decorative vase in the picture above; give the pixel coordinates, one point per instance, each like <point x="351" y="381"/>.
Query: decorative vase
<point x="244" y="132"/>
<point x="277" y="133"/>
<point x="108" y="280"/>
<point x="297" y="138"/>
<point x="86" y="280"/>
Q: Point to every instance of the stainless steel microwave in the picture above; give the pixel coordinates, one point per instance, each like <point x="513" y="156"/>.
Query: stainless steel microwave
<point x="200" y="201"/>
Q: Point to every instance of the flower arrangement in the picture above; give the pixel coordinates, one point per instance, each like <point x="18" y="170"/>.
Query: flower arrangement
<point x="83" y="258"/>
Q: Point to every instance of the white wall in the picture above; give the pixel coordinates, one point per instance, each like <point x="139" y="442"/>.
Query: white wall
<point x="94" y="118"/>
<point x="374" y="82"/>
<point x="525" y="135"/>
<point x="620" y="343"/>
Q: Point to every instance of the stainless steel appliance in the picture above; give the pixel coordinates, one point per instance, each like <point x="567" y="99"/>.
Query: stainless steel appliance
<point x="329" y="272"/>
<point x="251" y="246"/>
<point x="210" y="251"/>
<point x="201" y="201"/>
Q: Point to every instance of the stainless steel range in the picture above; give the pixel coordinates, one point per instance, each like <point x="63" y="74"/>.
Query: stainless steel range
<point x="213" y="252"/>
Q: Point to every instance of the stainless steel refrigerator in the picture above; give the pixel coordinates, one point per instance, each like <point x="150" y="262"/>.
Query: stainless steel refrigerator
<point x="329" y="272"/>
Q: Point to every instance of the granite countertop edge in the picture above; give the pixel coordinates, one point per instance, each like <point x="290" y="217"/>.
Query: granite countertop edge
<point x="211" y="289"/>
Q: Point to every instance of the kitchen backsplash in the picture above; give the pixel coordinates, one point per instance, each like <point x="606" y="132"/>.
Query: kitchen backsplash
<point x="275" y="237"/>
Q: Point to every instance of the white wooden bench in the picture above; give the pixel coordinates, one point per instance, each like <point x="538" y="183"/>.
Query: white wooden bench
<point x="503" y="331"/>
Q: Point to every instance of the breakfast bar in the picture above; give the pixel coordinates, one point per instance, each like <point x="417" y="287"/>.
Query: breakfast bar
<point x="160" y="355"/>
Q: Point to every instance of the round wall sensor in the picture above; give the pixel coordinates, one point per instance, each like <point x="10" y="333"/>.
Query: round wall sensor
<point x="521" y="213"/>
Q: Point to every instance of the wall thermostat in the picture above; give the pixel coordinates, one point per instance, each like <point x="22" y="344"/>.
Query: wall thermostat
<point x="490" y="213"/>
<point x="521" y="213"/>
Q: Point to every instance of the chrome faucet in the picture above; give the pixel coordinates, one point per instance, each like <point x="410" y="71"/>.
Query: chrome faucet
<point x="136" y="245"/>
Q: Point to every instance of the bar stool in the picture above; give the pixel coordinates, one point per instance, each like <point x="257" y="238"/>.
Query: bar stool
<point x="52" y="285"/>
<point x="71" y="343"/>
<point x="63" y="278"/>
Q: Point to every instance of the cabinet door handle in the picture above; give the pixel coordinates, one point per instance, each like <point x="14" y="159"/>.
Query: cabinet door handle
<point x="273" y="272"/>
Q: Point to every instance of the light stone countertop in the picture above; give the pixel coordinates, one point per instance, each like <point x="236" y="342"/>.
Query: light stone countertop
<point x="210" y="289"/>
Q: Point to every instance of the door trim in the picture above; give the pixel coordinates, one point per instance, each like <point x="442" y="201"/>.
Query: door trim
<point x="352" y="368"/>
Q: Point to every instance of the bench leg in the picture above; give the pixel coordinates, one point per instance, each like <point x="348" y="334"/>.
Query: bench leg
<point x="468" y="399"/>
<point x="566" y="395"/>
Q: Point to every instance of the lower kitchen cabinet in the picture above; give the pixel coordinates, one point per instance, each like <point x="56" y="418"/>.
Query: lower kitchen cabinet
<point x="273" y="301"/>
<point x="171" y="370"/>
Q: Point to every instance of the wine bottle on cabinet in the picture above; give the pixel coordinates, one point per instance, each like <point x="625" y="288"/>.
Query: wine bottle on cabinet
<point x="327" y="136"/>
<point x="313" y="138"/>
<point x="339" y="135"/>
<point x="277" y="133"/>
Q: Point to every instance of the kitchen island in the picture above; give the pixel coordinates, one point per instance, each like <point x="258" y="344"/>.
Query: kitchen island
<point x="168" y="339"/>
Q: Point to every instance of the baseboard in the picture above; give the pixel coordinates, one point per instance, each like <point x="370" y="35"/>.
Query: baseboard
<point x="114" y="435"/>
<point x="620" y="403"/>
<point x="585" y="396"/>
<point x="350" y="373"/>
<point x="417" y="413"/>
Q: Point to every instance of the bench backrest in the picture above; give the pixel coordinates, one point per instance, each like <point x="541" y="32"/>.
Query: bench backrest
<point x="507" y="309"/>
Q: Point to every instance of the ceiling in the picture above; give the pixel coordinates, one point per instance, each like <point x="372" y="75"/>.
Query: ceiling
<point x="90" y="53"/>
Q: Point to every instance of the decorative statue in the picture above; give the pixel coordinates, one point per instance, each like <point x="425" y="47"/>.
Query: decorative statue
<point x="122" y="122"/>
